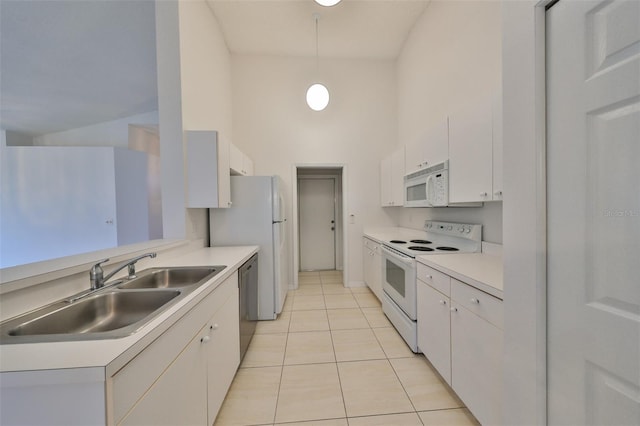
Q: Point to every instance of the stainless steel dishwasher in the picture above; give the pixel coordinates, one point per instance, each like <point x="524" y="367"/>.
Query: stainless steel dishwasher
<point x="248" y="283"/>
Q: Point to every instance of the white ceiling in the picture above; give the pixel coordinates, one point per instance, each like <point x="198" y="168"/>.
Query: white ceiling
<point x="351" y="29"/>
<point x="67" y="63"/>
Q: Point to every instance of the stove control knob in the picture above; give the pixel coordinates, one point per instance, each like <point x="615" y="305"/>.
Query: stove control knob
<point x="468" y="230"/>
<point x="450" y="227"/>
<point x="461" y="229"/>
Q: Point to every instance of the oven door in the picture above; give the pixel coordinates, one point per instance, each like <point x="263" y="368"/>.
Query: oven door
<point x="399" y="280"/>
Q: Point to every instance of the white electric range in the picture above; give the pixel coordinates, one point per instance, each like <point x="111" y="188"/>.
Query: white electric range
<point x="399" y="268"/>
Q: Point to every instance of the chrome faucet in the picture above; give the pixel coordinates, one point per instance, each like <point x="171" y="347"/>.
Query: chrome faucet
<point x="96" y="274"/>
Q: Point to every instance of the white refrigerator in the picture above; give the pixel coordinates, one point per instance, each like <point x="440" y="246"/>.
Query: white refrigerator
<point x="256" y="217"/>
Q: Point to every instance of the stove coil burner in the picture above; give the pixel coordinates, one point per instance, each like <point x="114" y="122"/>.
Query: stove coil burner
<point x="420" y="248"/>
<point x="421" y="241"/>
<point x="398" y="242"/>
<point x="444" y="248"/>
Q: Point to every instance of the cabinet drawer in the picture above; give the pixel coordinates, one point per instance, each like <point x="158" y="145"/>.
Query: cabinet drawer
<point x="478" y="302"/>
<point x="371" y="245"/>
<point x="436" y="279"/>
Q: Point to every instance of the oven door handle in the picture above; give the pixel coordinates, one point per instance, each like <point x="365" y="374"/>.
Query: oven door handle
<point x="397" y="256"/>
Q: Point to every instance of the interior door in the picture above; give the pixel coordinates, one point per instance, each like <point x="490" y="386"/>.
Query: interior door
<point x="316" y="198"/>
<point x="593" y="153"/>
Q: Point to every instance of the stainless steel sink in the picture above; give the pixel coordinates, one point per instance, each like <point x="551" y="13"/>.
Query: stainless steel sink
<point x="99" y="316"/>
<point x="107" y="313"/>
<point x="175" y="277"/>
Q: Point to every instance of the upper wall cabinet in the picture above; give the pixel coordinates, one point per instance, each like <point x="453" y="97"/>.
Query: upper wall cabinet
<point x="239" y="162"/>
<point x="392" y="179"/>
<point x="431" y="148"/>
<point x="475" y="153"/>
<point x="207" y="169"/>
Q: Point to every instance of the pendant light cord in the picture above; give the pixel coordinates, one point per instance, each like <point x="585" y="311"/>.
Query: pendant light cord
<point x="317" y="18"/>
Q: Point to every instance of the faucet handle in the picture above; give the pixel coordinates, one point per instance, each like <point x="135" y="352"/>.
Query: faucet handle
<point x="96" y="274"/>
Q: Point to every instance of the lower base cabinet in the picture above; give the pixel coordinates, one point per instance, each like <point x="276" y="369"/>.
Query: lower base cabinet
<point x="223" y="354"/>
<point x="476" y="364"/>
<point x="372" y="265"/>
<point x="460" y="332"/>
<point x="191" y="388"/>
<point x="180" y="394"/>
<point x="434" y="334"/>
<point x="180" y="378"/>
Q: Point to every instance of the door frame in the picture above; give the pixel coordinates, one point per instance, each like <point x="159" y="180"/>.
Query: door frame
<point x="294" y="205"/>
<point x="524" y="211"/>
<point x="335" y="213"/>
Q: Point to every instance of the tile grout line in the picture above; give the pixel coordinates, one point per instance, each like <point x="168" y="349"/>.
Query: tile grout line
<point x="275" y="411"/>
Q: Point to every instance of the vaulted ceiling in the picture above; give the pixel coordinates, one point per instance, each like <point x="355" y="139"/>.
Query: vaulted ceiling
<point x="57" y="54"/>
<point x="350" y="29"/>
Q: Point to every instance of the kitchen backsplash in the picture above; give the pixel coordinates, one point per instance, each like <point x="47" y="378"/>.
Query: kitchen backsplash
<point x="490" y="216"/>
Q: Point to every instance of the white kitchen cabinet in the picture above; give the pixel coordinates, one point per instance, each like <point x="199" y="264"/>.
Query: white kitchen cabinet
<point x="222" y="354"/>
<point x="372" y="266"/>
<point x="207" y="169"/>
<point x="183" y="376"/>
<point x="476" y="351"/>
<point x="470" y="153"/>
<point x="434" y="332"/>
<point x="392" y="179"/>
<point x="475" y="152"/>
<point x="429" y="149"/>
<point x="180" y="394"/>
<point x="184" y="394"/>
<point x="460" y="332"/>
<point x="239" y="162"/>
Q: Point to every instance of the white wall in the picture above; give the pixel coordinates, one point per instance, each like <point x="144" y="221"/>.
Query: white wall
<point x="206" y="85"/>
<point x="273" y="125"/>
<point x="524" y="214"/>
<point x="194" y="94"/>
<point x="452" y="54"/>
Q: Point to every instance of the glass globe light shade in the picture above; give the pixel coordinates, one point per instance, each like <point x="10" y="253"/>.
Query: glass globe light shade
<point x="317" y="97"/>
<point x="327" y="2"/>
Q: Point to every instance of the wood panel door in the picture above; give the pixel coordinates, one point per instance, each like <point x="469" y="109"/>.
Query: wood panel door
<point x="593" y="153"/>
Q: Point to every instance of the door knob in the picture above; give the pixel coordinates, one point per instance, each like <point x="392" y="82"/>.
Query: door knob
<point x="333" y="228"/>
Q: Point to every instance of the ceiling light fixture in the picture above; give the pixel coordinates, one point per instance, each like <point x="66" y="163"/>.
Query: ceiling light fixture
<point x="327" y="3"/>
<point x="317" y="93"/>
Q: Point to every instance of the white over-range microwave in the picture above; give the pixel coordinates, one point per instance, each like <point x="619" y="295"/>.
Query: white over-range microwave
<point x="428" y="187"/>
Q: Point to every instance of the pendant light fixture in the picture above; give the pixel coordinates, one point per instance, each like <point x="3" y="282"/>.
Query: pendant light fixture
<point x="327" y="3"/>
<point x="317" y="93"/>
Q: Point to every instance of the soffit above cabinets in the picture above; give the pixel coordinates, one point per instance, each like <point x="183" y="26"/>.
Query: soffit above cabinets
<point x="356" y="29"/>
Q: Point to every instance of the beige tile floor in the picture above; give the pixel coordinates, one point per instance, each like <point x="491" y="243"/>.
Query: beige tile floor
<point x="333" y="359"/>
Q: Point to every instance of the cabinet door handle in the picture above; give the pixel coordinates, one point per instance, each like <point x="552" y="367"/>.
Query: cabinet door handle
<point x="497" y="193"/>
<point x="483" y="194"/>
<point x="214" y="327"/>
<point x="443" y="302"/>
<point x="429" y="277"/>
<point x="474" y="300"/>
<point x="454" y="309"/>
<point x="205" y="339"/>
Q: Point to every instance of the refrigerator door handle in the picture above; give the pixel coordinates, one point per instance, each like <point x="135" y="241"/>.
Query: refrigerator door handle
<point x="279" y="221"/>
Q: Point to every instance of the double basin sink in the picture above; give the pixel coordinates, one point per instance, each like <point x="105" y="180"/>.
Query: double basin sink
<point x="117" y="311"/>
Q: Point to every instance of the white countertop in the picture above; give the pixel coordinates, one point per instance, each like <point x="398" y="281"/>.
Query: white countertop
<point x="114" y="353"/>
<point x="483" y="271"/>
